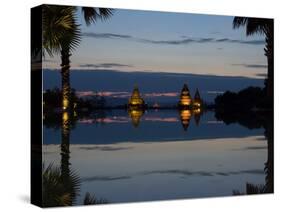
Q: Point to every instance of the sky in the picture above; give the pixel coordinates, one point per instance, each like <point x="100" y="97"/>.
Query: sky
<point x="138" y="41"/>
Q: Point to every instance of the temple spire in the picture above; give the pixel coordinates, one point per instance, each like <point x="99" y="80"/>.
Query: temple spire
<point x="197" y="102"/>
<point x="185" y="98"/>
<point x="136" y="100"/>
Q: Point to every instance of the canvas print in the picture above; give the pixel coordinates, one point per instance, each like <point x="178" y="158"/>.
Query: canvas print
<point x="147" y="105"/>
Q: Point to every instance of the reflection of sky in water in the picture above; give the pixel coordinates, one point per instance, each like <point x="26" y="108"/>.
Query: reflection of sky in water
<point x="153" y="126"/>
<point x="127" y="172"/>
<point x="158" y="159"/>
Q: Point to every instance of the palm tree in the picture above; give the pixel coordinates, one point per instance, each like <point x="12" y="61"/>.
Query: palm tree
<point x="265" y="27"/>
<point x="92" y="200"/>
<point x="62" y="35"/>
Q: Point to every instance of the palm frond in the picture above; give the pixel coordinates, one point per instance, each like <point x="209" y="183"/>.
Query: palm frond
<point x="92" y="14"/>
<point x="105" y="13"/>
<point x="239" y="21"/>
<point x="251" y="189"/>
<point x="253" y="25"/>
<point x="255" y="189"/>
<point x="59" y="28"/>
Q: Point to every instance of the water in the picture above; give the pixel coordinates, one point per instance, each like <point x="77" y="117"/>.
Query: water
<point x="159" y="155"/>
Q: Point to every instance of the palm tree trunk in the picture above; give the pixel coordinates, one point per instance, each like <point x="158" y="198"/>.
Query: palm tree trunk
<point x="270" y="62"/>
<point x="65" y="66"/>
<point x="65" y="128"/>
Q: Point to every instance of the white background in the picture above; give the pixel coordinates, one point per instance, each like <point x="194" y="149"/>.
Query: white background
<point x="15" y="103"/>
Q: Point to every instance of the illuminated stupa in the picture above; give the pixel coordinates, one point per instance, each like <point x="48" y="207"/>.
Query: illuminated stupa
<point x="136" y="101"/>
<point x="197" y="102"/>
<point x="185" y="98"/>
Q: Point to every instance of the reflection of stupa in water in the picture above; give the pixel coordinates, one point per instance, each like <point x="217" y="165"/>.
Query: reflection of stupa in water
<point x="185" y="98"/>
<point x="136" y="102"/>
<point x="197" y="115"/>
<point x="136" y="106"/>
<point x="188" y="106"/>
<point x="135" y="116"/>
<point x="197" y="102"/>
<point x="185" y="116"/>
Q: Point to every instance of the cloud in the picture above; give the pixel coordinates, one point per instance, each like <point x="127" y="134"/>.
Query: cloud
<point x="104" y="65"/>
<point x="167" y="94"/>
<point x="256" y="147"/>
<point x="204" y="173"/>
<point x="182" y="173"/>
<point x="120" y="119"/>
<point x="250" y="65"/>
<point x="170" y="42"/>
<point x="183" y="40"/>
<point x="105" y="120"/>
<point x="261" y="75"/>
<point x="104" y="178"/>
<point x="106" y="148"/>
<point x="114" y="94"/>
<point x="159" y="119"/>
<point x="215" y="92"/>
<point x="124" y="94"/>
<point x="105" y="35"/>
<point x="252" y="42"/>
<point x="85" y="93"/>
<point x="252" y="148"/>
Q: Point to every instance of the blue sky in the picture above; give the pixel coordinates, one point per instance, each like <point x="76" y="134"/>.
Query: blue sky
<point x="137" y="41"/>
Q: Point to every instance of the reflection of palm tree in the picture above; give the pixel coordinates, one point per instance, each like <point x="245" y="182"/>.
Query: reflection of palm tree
<point x="65" y="135"/>
<point x="57" y="191"/>
<point x="251" y="189"/>
<point x="269" y="164"/>
<point x="261" y="26"/>
<point x="61" y="185"/>
<point x="61" y="34"/>
<point x="268" y="186"/>
<point x="92" y="200"/>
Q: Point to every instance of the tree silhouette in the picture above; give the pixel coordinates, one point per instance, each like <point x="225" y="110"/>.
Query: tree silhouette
<point x="265" y="27"/>
<point x="92" y="200"/>
<point x="62" y="35"/>
<point x="57" y="191"/>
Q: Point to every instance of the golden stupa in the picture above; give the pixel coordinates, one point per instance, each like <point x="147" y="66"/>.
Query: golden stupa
<point x="136" y="100"/>
<point x="185" y="98"/>
<point x="197" y="102"/>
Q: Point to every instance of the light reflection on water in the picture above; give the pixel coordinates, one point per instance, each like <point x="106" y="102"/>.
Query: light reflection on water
<point x="156" y="155"/>
<point x="118" y="126"/>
